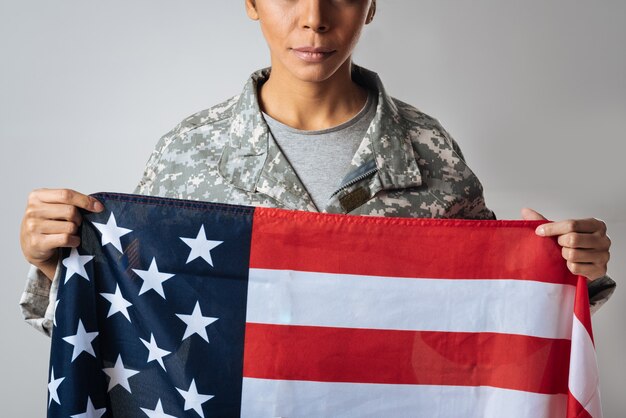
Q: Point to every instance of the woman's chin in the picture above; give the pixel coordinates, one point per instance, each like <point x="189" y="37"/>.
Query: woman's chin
<point x="313" y="72"/>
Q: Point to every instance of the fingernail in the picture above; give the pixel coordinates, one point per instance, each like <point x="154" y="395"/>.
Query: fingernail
<point x="98" y="207"/>
<point x="540" y="231"/>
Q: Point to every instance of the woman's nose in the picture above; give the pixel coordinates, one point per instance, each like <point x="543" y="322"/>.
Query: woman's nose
<point x="313" y="15"/>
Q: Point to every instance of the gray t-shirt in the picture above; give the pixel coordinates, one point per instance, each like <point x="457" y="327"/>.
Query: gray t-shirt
<point x="321" y="158"/>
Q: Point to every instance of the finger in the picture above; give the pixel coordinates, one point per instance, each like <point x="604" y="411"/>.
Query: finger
<point x="56" y="211"/>
<point x="57" y="227"/>
<point x="585" y="256"/>
<point x="589" y="270"/>
<point x="59" y="240"/>
<point x="529" y="214"/>
<point x="571" y="225"/>
<point x="589" y="241"/>
<point x="68" y="197"/>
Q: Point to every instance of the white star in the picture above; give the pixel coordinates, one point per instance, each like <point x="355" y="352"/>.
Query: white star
<point x="196" y="323"/>
<point x="53" y="385"/>
<point x="119" y="375"/>
<point x="54" y="319"/>
<point x="194" y="400"/>
<point x="201" y="247"/>
<point x="154" y="352"/>
<point x="157" y="412"/>
<point x="152" y="279"/>
<point x="81" y="341"/>
<point x="91" y="412"/>
<point x="118" y="303"/>
<point x="75" y="263"/>
<point x="111" y="233"/>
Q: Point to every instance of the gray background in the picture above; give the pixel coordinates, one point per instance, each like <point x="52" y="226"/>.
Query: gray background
<point x="534" y="92"/>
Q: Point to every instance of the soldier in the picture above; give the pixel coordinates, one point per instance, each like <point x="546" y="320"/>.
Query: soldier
<point x="313" y="132"/>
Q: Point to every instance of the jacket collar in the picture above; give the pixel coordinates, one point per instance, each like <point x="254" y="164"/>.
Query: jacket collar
<point x="252" y="159"/>
<point x="388" y="137"/>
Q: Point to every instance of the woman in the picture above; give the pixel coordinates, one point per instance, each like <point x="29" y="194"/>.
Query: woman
<point x="315" y="133"/>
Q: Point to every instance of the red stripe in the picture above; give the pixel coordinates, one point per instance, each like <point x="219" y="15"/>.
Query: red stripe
<point x="581" y="305"/>
<point x="575" y="409"/>
<point x="401" y="247"/>
<point x="406" y="357"/>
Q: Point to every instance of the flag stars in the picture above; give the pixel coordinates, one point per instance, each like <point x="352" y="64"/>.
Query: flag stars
<point x="154" y="352"/>
<point x="118" y="303"/>
<point x="157" y="412"/>
<point x="75" y="264"/>
<point x="81" y="341"/>
<point x="153" y="279"/>
<point x="200" y="247"/>
<point x="90" y="412"/>
<point x="193" y="399"/>
<point x="53" y="385"/>
<point x="111" y="233"/>
<point x="119" y="375"/>
<point x="196" y="323"/>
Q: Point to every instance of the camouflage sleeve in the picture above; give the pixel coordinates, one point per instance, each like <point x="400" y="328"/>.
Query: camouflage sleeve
<point x="154" y="164"/>
<point x="477" y="207"/>
<point x="451" y="141"/>
<point x="38" y="300"/>
<point x="146" y="183"/>
<point x="600" y="290"/>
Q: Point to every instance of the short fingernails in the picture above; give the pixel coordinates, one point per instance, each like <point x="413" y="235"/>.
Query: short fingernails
<point x="540" y="231"/>
<point x="97" y="206"/>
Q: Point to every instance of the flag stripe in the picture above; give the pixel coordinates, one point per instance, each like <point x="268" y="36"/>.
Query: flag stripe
<point x="584" y="387"/>
<point x="581" y="306"/>
<point x="281" y="398"/>
<point x="406" y="357"/>
<point x="583" y="373"/>
<point x="575" y="409"/>
<point x="396" y="247"/>
<point x="505" y="306"/>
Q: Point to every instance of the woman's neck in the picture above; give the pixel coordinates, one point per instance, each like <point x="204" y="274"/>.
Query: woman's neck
<point x="311" y="105"/>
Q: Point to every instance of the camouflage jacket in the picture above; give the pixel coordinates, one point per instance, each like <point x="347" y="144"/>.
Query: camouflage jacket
<point x="407" y="165"/>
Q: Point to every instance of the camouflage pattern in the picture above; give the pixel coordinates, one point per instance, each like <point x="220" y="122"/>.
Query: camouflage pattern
<point x="406" y="166"/>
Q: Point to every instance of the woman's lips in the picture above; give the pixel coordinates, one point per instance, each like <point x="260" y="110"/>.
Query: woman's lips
<point x="313" y="54"/>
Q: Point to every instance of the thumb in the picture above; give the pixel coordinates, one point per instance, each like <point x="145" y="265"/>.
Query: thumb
<point x="529" y="214"/>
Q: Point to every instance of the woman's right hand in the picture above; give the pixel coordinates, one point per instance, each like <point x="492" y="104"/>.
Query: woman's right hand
<point x="50" y="222"/>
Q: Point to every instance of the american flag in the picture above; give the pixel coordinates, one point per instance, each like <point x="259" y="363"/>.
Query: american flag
<point x="177" y="308"/>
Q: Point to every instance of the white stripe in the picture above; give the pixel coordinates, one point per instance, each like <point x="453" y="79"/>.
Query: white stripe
<point x="347" y="301"/>
<point x="584" y="381"/>
<point x="292" y="398"/>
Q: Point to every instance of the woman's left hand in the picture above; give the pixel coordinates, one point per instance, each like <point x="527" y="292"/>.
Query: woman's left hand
<point x="585" y="244"/>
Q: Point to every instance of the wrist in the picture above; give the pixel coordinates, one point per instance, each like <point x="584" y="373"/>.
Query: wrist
<point x="48" y="267"/>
